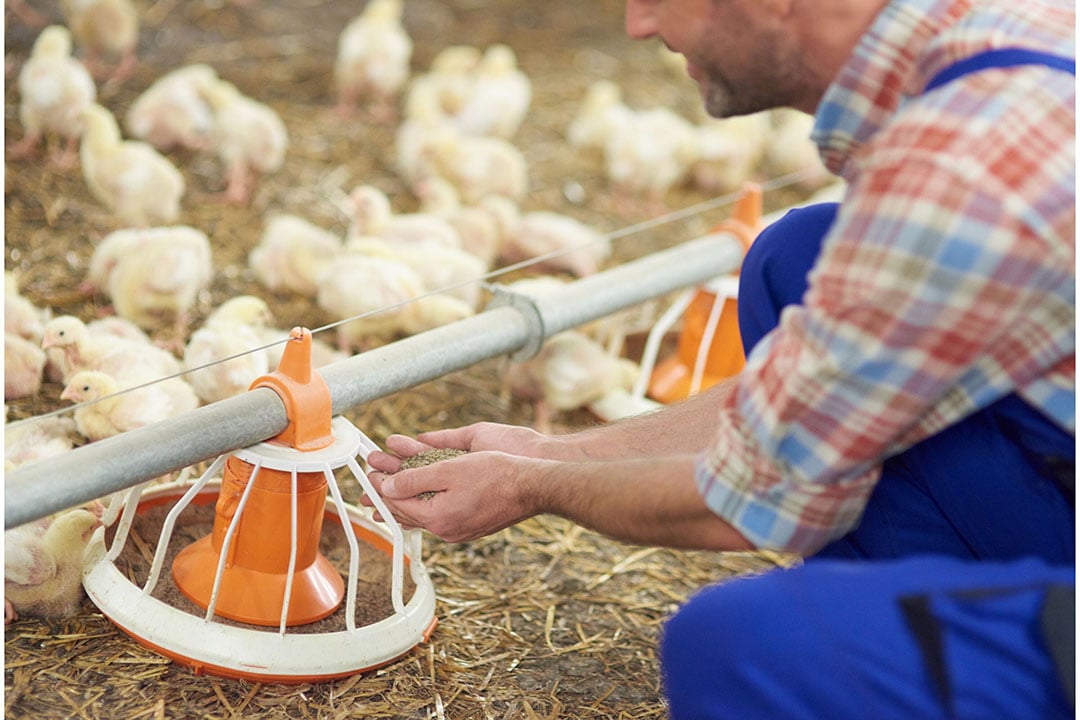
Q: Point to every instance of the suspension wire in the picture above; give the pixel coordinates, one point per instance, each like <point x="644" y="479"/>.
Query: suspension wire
<point x="615" y="235"/>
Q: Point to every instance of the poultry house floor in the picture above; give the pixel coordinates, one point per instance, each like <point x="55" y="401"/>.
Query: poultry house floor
<point x="543" y="620"/>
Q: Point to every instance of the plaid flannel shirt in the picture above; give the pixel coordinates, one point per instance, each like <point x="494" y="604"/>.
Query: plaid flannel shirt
<point x="946" y="282"/>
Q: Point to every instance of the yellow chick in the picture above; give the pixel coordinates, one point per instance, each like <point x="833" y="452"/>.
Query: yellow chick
<point x="498" y="98"/>
<point x="153" y="274"/>
<point x="291" y="254"/>
<point x="570" y="371"/>
<point x="372" y="215"/>
<point x="601" y="112"/>
<point x="36" y="438"/>
<point x="478" y="166"/>
<point x="108" y="32"/>
<point x="249" y="137"/>
<point x="54" y="89"/>
<point x="412" y="142"/>
<point x="372" y="61"/>
<point x="572" y="245"/>
<point x="21" y="316"/>
<point x="129" y="177"/>
<point x="117" y="412"/>
<point x="441" y="91"/>
<point x="172" y="112"/>
<point x="226" y="354"/>
<point x="648" y="154"/>
<point x="387" y="294"/>
<point x="478" y="228"/>
<point x="43" y="566"/>
<point x="24" y="367"/>
<point x="82" y="350"/>
<point x="729" y="151"/>
<point x="456" y="271"/>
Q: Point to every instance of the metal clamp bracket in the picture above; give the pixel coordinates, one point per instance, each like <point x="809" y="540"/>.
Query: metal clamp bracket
<point x="501" y="296"/>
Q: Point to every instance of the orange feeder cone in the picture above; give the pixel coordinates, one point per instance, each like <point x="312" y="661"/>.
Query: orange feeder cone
<point x="256" y="517"/>
<point x="710" y="323"/>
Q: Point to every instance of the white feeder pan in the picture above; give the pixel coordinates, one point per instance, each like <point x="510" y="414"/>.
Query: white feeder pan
<point x="209" y="646"/>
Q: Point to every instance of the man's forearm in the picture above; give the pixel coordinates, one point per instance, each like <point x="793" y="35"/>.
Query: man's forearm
<point x="647" y="501"/>
<point x="684" y="428"/>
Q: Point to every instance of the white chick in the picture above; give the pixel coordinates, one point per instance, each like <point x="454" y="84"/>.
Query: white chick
<point x="601" y="112"/>
<point x="292" y="253"/>
<point x="570" y="371"/>
<point x="649" y="153"/>
<point x="21" y="316"/>
<point x="457" y="272"/>
<point x="479" y="229"/>
<point x="129" y="177"/>
<point x="498" y="98"/>
<point x="153" y="274"/>
<point x="108" y="32"/>
<point x="172" y="112"/>
<point x="476" y="166"/>
<point x="24" y="366"/>
<point x="37" y="438"/>
<point x="118" y="356"/>
<point x="117" y="327"/>
<point x="230" y="343"/>
<point x="790" y="149"/>
<point x="441" y="92"/>
<point x="115" y="411"/>
<point x="386" y="293"/>
<point x="729" y="151"/>
<point x="249" y="137"/>
<point x="372" y="215"/>
<point x="412" y="142"/>
<point x="54" y="89"/>
<point x="43" y="565"/>
<point x="574" y="246"/>
<point x="373" y="57"/>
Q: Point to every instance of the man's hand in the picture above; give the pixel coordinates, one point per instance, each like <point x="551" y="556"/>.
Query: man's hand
<point x="471" y="495"/>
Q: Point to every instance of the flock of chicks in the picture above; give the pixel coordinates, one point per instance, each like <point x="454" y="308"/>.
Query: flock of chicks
<point x="392" y="273"/>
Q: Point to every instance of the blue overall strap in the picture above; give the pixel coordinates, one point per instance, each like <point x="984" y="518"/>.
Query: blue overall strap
<point x="1001" y="58"/>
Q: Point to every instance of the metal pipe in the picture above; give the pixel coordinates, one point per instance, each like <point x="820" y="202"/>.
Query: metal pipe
<point x="97" y="469"/>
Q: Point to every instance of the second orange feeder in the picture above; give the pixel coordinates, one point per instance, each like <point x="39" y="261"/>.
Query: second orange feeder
<point x="709" y="346"/>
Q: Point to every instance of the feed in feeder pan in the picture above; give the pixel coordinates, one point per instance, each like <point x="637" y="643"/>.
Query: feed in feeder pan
<point x="257" y="598"/>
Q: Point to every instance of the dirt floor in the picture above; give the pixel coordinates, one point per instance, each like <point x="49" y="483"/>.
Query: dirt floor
<point x="543" y="620"/>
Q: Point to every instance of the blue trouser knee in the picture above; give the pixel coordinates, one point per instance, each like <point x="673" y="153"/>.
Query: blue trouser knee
<point x="836" y="640"/>
<point x="989" y="498"/>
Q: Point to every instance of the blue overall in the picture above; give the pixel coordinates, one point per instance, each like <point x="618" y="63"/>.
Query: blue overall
<point x="968" y="608"/>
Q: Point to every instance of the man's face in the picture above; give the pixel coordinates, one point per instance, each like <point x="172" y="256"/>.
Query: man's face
<point x="739" y="54"/>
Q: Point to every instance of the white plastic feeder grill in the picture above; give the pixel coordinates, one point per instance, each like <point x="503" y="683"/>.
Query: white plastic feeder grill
<point x="261" y="566"/>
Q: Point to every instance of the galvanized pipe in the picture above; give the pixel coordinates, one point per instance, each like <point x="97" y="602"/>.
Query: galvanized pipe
<point x="510" y="325"/>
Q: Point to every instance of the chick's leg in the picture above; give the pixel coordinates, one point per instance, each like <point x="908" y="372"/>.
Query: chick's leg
<point x="124" y="69"/>
<point x="26" y="147"/>
<point x="239" y="182"/>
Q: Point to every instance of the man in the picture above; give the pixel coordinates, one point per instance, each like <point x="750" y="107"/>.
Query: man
<point x="906" y="417"/>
